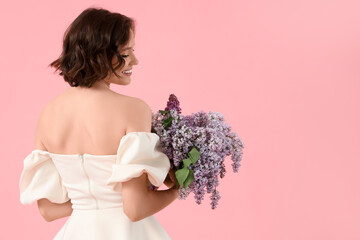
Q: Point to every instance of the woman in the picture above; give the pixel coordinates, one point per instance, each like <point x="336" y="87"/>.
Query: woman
<point x="95" y="155"/>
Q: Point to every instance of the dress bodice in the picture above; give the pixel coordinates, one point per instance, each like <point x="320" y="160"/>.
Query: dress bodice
<point x="92" y="181"/>
<point x="85" y="179"/>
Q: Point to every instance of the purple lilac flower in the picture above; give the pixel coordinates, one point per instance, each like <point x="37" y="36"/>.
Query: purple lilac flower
<point x="173" y="103"/>
<point x="210" y="135"/>
<point x="215" y="196"/>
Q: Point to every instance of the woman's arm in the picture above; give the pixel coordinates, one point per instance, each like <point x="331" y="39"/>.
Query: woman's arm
<point x="139" y="202"/>
<point x="51" y="211"/>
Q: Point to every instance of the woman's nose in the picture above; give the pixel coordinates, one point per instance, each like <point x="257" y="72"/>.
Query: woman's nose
<point x="135" y="61"/>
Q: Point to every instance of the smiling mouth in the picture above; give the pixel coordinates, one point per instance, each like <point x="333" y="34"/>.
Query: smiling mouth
<point x="127" y="72"/>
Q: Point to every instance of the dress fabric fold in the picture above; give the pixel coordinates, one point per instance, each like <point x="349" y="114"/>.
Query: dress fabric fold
<point x="93" y="185"/>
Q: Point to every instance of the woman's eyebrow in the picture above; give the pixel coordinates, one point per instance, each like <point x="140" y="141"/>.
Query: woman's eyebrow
<point x="128" y="48"/>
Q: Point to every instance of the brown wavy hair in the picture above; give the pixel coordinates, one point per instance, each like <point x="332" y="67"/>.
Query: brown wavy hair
<point x="89" y="45"/>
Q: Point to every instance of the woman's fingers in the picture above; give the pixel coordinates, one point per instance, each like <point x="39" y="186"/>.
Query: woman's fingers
<point x="173" y="177"/>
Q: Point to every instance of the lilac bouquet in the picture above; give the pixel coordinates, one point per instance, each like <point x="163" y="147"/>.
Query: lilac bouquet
<point x="197" y="145"/>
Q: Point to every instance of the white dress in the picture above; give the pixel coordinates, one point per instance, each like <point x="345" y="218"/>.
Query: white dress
<point x="93" y="184"/>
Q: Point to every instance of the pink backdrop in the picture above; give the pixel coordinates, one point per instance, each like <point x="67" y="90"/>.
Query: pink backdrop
<point x="285" y="74"/>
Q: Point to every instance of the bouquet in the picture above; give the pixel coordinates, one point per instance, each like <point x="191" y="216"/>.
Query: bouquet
<point x="197" y="145"/>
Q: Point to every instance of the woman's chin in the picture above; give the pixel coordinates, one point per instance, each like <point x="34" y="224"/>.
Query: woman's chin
<point x="122" y="81"/>
<point x="125" y="82"/>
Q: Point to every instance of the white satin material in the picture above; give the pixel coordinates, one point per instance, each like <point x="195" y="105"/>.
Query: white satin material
<point x="93" y="184"/>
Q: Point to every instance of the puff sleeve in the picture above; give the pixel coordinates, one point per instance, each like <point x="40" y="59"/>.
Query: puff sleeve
<point x="40" y="179"/>
<point x="140" y="152"/>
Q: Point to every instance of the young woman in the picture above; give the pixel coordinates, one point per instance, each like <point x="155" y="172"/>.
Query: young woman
<point x="95" y="155"/>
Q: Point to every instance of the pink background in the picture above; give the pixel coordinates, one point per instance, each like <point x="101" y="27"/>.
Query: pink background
<point x="285" y="74"/>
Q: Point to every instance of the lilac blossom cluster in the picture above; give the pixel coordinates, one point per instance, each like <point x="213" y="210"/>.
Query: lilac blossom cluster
<point x="210" y="135"/>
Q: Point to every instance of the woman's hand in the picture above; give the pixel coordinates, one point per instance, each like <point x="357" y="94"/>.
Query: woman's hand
<point x="170" y="180"/>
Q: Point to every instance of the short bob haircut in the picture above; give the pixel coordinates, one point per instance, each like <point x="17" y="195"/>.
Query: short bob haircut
<point x="89" y="45"/>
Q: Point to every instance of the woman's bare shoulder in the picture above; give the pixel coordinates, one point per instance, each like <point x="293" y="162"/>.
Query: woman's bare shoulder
<point x="140" y="116"/>
<point x="139" y="106"/>
<point x="131" y="105"/>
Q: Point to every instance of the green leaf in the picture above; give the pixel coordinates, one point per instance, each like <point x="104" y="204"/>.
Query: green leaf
<point x="194" y="154"/>
<point x="167" y="122"/>
<point x="189" y="178"/>
<point x="181" y="175"/>
<point x="164" y="112"/>
<point x="187" y="162"/>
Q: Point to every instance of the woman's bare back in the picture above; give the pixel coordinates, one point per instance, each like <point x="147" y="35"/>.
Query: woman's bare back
<point x="81" y="120"/>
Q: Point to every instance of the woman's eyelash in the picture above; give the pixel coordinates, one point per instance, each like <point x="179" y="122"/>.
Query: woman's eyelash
<point x="127" y="54"/>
